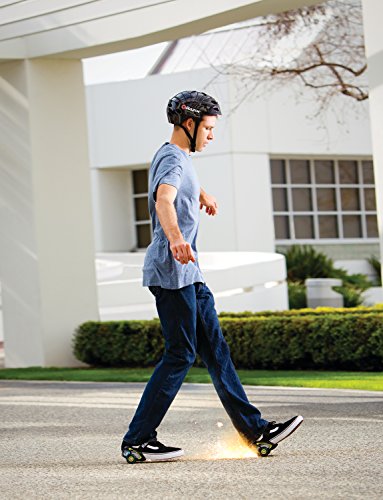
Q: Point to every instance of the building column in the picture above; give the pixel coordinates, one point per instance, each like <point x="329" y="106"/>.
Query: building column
<point x="47" y="269"/>
<point x="253" y="203"/>
<point x="372" y="15"/>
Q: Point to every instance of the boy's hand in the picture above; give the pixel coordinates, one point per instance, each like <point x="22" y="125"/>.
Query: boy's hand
<point x="182" y="251"/>
<point x="210" y="202"/>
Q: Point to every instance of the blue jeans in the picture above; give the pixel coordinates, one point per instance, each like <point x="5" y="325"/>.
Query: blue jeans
<point x="190" y="325"/>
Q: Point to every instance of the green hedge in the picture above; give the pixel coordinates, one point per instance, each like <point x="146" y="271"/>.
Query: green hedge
<point x="378" y="308"/>
<point x="119" y="343"/>
<point x="346" y="341"/>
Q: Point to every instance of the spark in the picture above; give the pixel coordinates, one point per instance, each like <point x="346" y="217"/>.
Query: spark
<point x="230" y="445"/>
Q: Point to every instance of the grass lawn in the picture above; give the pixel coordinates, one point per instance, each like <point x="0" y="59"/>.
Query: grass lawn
<point x="372" y="381"/>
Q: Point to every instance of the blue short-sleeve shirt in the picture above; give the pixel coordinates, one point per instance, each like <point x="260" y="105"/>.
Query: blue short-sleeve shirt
<point x="171" y="165"/>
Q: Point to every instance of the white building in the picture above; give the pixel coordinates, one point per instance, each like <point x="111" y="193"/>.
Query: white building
<point x="280" y="175"/>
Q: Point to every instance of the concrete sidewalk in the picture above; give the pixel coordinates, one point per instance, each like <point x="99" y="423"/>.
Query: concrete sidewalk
<point x="61" y="440"/>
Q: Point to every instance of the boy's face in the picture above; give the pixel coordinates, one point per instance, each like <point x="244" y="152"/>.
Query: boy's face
<point x="205" y="132"/>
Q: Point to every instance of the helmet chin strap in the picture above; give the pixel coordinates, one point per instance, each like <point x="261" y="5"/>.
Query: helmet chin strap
<point x="193" y="138"/>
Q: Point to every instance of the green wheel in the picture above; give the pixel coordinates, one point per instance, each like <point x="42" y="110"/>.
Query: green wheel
<point x="264" y="451"/>
<point x="131" y="459"/>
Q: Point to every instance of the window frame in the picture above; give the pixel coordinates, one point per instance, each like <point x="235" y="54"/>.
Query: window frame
<point x="135" y="221"/>
<point x="315" y="213"/>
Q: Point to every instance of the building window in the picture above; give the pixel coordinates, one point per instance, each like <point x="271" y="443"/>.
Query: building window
<point x="323" y="199"/>
<point x="141" y="210"/>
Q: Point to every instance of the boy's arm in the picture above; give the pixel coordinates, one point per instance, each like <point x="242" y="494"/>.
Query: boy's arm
<point x="208" y="201"/>
<point x="167" y="216"/>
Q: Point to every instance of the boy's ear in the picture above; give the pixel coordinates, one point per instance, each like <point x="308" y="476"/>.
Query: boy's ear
<point x="188" y="123"/>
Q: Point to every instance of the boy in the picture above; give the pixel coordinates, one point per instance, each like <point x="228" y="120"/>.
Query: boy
<point x="184" y="303"/>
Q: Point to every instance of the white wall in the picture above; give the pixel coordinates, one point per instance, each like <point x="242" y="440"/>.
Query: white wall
<point x="113" y="209"/>
<point x="253" y="202"/>
<point x="282" y="123"/>
<point x="217" y="233"/>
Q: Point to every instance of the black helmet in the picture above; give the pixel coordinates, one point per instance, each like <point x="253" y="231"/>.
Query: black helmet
<point x="191" y="104"/>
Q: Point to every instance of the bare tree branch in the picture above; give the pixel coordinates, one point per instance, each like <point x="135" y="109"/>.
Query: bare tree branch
<point x="320" y="46"/>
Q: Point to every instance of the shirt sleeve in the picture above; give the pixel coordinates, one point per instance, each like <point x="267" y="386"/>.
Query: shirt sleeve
<point x="169" y="172"/>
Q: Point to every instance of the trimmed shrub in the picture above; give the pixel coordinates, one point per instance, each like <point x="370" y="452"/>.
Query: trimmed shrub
<point x="336" y="341"/>
<point x="377" y="308"/>
<point x="119" y="343"/>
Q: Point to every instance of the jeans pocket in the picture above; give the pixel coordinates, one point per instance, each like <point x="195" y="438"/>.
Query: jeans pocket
<point x="155" y="290"/>
<point x="198" y="286"/>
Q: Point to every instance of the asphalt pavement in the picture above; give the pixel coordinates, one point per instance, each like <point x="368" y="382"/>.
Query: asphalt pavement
<point x="61" y="440"/>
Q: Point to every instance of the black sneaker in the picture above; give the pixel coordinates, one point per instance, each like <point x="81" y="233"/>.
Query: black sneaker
<point x="152" y="451"/>
<point x="274" y="433"/>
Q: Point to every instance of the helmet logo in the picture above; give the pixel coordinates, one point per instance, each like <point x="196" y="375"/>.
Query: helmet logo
<point x="193" y="110"/>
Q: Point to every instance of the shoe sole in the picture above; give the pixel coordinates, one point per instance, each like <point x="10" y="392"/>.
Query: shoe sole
<point x="158" y="457"/>
<point x="289" y="430"/>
